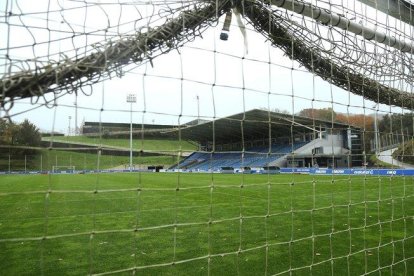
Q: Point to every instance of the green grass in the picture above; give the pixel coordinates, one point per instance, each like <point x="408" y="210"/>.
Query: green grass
<point x="138" y="144"/>
<point x="259" y="224"/>
<point x="376" y="163"/>
<point x="45" y="159"/>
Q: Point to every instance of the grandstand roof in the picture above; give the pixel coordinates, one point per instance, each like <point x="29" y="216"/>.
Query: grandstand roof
<point x="125" y="125"/>
<point x="254" y="124"/>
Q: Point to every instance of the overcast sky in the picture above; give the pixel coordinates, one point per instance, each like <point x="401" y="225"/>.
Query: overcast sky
<point x="213" y="70"/>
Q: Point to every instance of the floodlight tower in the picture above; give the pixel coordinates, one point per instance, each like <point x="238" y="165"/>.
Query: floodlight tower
<point x="75" y="103"/>
<point x="70" y="118"/>
<point x="198" y="109"/>
<point x="376" y="129"/>
<point x="131" y="98"/>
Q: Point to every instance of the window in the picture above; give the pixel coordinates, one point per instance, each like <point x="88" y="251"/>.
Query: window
<point x="318" y="150"/>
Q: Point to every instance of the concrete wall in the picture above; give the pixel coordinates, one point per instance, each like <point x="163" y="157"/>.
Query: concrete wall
<point x="331" y="144"/>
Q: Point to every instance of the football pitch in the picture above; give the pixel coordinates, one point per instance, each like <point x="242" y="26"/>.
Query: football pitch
<point x="206" y="224"/>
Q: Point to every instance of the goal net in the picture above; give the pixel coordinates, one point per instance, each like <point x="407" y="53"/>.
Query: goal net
<point x="214" y="137"/>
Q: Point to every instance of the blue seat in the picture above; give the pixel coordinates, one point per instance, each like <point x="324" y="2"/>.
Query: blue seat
<point x="253" y="157"/>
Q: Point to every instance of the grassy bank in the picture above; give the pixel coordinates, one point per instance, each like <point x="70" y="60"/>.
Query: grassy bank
<point x="45" y="159"/>
<point x="137" y="144"/>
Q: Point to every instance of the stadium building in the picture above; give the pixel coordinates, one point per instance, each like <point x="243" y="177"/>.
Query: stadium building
<point x="95" y="129"/>
<point x="258" y="138"/>
<point x="253" y="140"/>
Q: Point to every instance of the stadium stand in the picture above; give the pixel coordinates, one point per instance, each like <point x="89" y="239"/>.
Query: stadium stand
<point x="311" y="143"/>
<point x="256" y="157"/>
<point x="269" y="139"/>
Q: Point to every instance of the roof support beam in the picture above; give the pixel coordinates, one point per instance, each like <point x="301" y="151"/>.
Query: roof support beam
<point x="73" y="74"/>
<point x="268" y="24"/>
<point x="399" y="9"/>
<point x="329" y="18"/>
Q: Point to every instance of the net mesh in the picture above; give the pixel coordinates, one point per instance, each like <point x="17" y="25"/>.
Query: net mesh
<point x="238" y="87"/>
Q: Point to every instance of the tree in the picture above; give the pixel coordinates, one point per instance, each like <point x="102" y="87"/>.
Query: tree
<point x="8" y="131"/>
<point x="326" y="114"/>
<point x="362" y="121"/>
<point x="24" y="134"/>
<point x="28" y="134"/>
<point x="397" y="123"/>
<point x="277" y="110"/>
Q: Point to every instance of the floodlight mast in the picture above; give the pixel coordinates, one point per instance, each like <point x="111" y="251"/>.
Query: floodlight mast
<point x="377" y="148"/>
<point x="131" y="98"/>
<point x="198" y="109"/>
<point x="70" y="118"/>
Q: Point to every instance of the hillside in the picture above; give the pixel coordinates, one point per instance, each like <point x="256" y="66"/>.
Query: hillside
<point x="405" y="152"/>
<point x="45" y="159"/>
<point x="137" y="144"/>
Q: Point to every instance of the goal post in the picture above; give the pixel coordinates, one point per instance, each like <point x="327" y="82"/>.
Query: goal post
<point x="63" y="169"/>
<point x="218" y="137"/>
